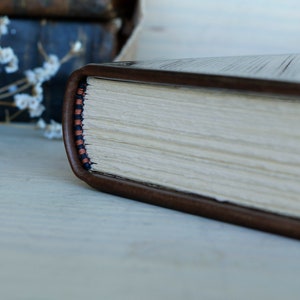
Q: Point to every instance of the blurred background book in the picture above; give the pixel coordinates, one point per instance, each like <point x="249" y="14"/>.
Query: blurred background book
<point x="102" y="27"/>
<point x="77" y="9"/>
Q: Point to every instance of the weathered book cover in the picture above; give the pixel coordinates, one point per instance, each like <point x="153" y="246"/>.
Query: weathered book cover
<point x="276" y="75"/>
<point x="88" y="9"/>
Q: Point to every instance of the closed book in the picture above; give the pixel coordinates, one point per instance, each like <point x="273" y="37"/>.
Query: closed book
<point x="79" y="9"/>
<point x="215" y="137"/>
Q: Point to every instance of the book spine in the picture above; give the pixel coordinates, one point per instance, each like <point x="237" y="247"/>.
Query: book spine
<point x="89" y="9"/>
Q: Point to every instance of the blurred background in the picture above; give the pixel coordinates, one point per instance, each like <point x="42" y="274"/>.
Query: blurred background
<point x="195" y="28"/>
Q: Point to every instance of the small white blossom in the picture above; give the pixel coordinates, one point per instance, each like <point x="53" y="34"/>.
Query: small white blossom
<point x="53" y="130"/>
<point x="117" y="23"/>
<point x="7" y="56"/>
<point x="42" y="74"/>
<point x="12" y="65"/>
<point x="30" y="76"/>
<point x="4" y="21"/>
<point x="52" y="65"/>
<point x="34" y="78"/>
<point x="76" y="47"/>
<point x="37" y="111"/>
<point x="21" y="100"/>
<point x="37" y="92"/>
<point x="41" y="124"/>
<point x="32" y="103"/>
<point x="37" y="89"/>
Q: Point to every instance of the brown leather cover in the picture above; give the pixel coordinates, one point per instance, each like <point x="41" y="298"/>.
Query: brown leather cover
<point x="189" y="203"/>
<point x="90" y="9"/>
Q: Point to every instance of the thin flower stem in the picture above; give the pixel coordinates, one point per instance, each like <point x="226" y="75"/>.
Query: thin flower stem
<point x="42" y="51"/>
<point x="3" y="103"/>
<point x="20" y="89"/>
<point x="16" y="114"/>
<point x="7" y="119"/>
<point x="67" y="57"/>
<point x="16" y="83"/>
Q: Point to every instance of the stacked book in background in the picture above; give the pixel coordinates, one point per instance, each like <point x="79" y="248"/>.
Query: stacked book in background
<point x="101" y="27"/>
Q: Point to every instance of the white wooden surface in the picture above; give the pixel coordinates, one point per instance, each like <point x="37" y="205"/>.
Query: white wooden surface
<point x="59" y="239"/>
<point x="199" y="28"/>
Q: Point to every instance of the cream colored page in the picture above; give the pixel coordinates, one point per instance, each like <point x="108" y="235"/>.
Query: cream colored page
<point x="233" y="148"/>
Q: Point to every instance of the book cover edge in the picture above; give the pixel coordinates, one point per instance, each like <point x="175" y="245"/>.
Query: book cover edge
<point x="193" y="204"/>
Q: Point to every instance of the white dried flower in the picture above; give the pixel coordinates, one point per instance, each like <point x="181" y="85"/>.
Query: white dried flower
<point x="76" y="47"/>
<point x="21" y="100"/>
<point x="37" y="92"/>
<point x="30" y="77"/>
<point x="12" y="65"/>
<point x="117" y="22"/>
<point x="41" y="124"/>
<point x="42" y="74"/>
<point x="34" y="78"/>
<point x="53" y="130"/>
<point x="52" y="65"/>
<point x="37" y="111"/>
<point x="7" y="56"/>
<point x="4" y="21"/>
<point x="32" y="103"/>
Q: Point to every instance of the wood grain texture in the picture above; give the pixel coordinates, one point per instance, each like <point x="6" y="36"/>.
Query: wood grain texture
<point x="60" y="239"/>
<point x="183" y="29"/>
